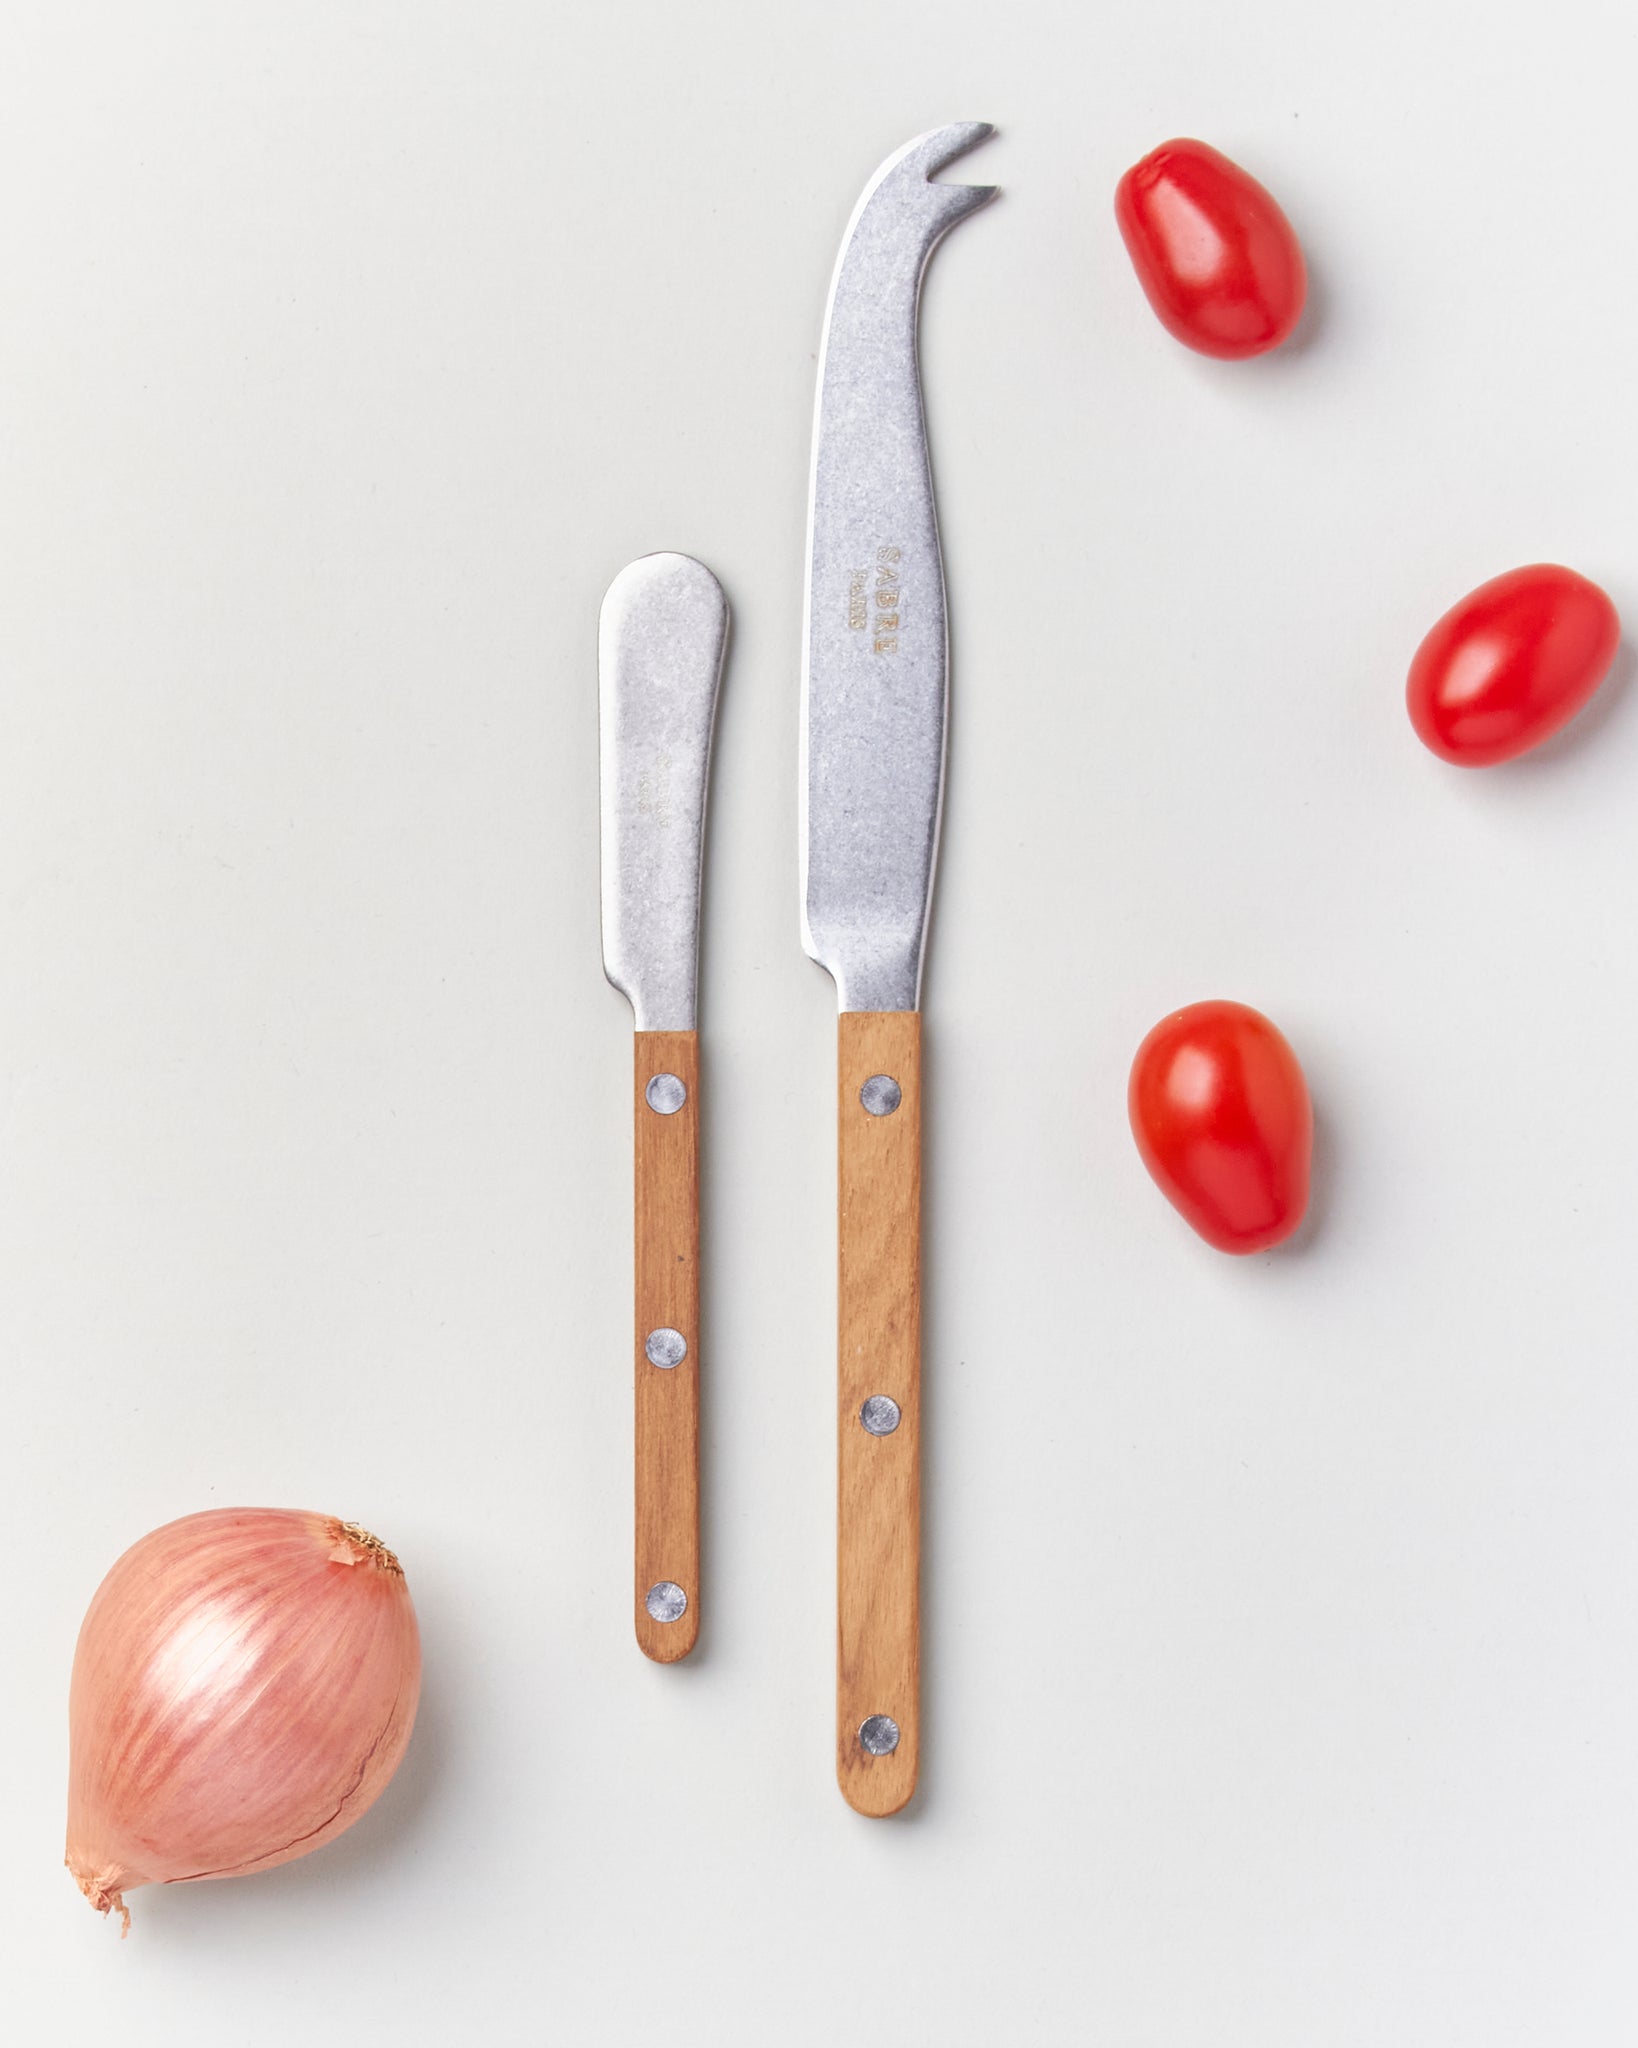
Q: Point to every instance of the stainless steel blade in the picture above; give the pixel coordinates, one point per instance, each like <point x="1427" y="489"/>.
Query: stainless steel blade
<point x="875" y="657"/>
<point x="661" y="637"/>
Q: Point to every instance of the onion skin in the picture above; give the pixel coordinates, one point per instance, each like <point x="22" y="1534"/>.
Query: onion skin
<point x="245" y="1684"/>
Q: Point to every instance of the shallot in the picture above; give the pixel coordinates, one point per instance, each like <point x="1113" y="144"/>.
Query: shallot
<point x="244" y="1686"/>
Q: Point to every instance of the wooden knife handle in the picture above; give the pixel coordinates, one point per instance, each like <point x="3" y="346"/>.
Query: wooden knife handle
<point x="667" y="1265"/>
<point x="878" y="1548"/>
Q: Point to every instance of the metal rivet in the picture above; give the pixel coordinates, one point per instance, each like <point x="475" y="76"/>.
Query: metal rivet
<point x="668" y="1602"/>
<point x="666" y="1094"/>
<point x="880" y="1415"/>
<point x="881" y="1095"/>
<point x="879" y="1736"/>
<point x="666" y="1347"/>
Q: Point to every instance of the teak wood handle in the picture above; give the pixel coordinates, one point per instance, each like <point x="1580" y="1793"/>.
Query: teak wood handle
<point x="667" y="1268"/>
<point x="878" y="1528"/>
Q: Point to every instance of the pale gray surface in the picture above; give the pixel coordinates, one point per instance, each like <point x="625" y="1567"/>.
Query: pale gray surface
<point x="1282" y="1616"/>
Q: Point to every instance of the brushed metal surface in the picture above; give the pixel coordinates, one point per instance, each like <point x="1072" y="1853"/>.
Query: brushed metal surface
<point x="661" y="637"/>
<point x="665" y="1347"/>
<point x="875" y="655"/>
<point x="880" y="1415"/>
<point x="665" y="1093"/>
<point x="881" y="1095"/>
<point x="879" y="1735"/>
<point x="666" y="1601"/>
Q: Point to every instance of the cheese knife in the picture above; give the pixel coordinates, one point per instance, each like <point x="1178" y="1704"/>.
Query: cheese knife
<point x="871" y="785"/>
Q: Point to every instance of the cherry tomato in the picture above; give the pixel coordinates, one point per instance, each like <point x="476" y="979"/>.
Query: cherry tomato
<point x="1510" y="664"/>
<point x="1221" y="1115"/>
<point x="1217" y="258"/>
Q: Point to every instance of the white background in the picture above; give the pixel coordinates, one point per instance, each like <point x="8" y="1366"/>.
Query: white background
<point x="1282" y="1615"/>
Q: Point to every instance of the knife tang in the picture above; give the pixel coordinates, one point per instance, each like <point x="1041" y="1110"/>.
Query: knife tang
<point x="666" y="1265"/>
<point x="878" y="1495"/>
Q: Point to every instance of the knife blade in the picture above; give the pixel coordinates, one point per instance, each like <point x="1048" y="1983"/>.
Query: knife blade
<point x="662" y="635"/>
<point x="874" y="682"/>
